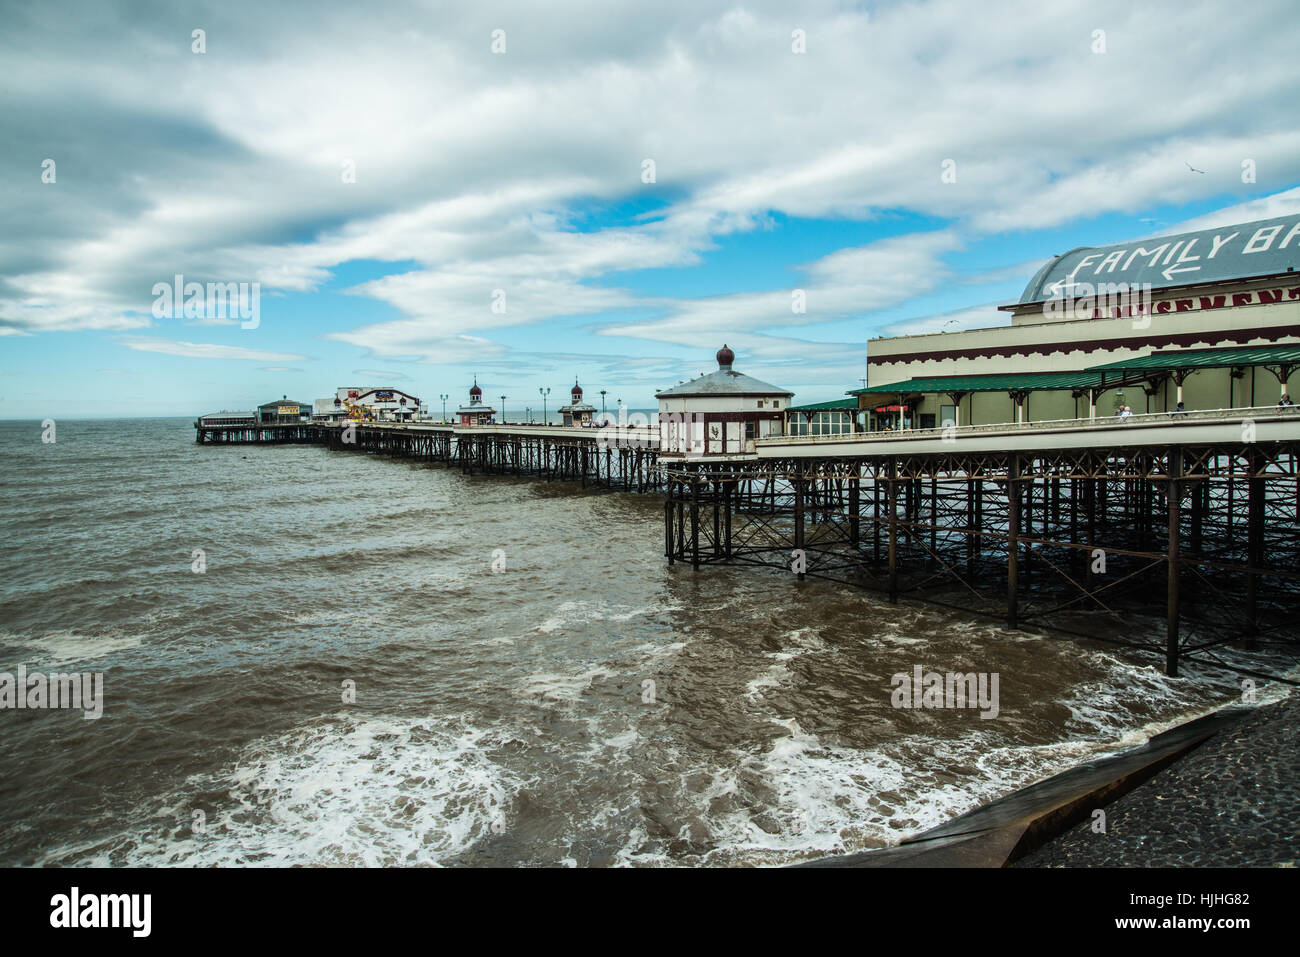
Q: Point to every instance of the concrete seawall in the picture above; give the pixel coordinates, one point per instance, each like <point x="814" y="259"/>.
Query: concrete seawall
<point x="1226" y="797"/>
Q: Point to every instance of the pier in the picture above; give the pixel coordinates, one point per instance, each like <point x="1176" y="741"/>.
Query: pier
<point x="1183" y="524"/>
<point x="1109" y="529"/>
<point x="614" y="458"/>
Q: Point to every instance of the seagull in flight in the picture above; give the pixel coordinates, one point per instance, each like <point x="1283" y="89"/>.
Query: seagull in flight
<point x="1192" y="168"/>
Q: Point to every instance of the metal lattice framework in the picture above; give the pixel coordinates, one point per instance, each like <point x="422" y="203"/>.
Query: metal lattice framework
<point x="1059" y="538"/>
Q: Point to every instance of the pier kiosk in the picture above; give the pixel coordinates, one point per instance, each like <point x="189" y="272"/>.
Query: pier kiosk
<point x="577" y="412"/>
<point x="475" y="413"/>
<point x="721" y="413"/>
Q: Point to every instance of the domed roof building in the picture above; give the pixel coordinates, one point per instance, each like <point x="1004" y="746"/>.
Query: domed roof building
<point x="577" y="412"/>
<point x="475" y="412"/>
<point x="1209" y="318"/>
<point x="719" y="413"/>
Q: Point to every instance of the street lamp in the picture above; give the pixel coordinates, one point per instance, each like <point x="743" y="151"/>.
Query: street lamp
<point x="503" y="410"/>
<point x="444" y="407"/>
<point x="544" y="393"/>
<point x="602" y="400"/>
<point x="528" y="413"/>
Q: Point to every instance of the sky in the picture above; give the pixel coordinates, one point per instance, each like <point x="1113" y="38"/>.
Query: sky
<point x="429" y="193"/>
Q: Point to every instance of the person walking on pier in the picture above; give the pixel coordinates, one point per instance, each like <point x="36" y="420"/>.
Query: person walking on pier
<point x="1178" y="410"/>
<point x="1283" y="402"/>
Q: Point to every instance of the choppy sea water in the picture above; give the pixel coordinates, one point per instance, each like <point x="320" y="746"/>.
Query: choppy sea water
<point x="499" y="717"/>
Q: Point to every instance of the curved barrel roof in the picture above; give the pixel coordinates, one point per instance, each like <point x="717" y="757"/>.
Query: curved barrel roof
<point x="1261" y="248"/>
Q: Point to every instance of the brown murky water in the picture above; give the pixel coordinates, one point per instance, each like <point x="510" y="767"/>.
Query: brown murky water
<point x="500" y="718"/>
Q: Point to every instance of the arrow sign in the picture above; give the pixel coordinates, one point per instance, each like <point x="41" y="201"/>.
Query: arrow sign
<point x="1169" y="273"/>
<point x="1056" y="287"/>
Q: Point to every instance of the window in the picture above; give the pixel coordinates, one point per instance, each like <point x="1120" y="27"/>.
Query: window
<point x="749" y="429"/>
<point x="760" y="403"/>
<point x="776" y="403"/>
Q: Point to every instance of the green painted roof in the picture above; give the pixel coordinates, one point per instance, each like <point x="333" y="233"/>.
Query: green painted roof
<point x="1036" y="381"/>
<point x="1208" y="358"/>
<point x="825" y="406"/>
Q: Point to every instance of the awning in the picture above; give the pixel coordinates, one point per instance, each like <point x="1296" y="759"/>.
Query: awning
<point x="847" y="405"/>
<point x="1287" y="354"/>
<point x="1012" y="382"/>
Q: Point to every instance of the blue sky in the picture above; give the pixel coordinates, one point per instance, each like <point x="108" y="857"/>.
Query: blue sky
<point x="522" y="171"/>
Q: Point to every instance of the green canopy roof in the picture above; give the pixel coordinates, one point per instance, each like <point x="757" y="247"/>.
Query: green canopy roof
<point x="1035" y="381"/>
<point x="1116" y="373"/>
<point x="851" y="404"/>
<point x="1208" y="358"/>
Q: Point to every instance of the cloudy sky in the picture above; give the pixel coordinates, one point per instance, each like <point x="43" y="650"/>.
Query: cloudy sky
<point x="424" y="199"/>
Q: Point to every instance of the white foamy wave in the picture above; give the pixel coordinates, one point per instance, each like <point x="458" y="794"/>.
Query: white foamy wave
<point x="550" y="686"/>
<point x="800" y="642"/>
<point x="63" y="647"/>
<point x="572" y="613"/>
<point x="814" y="799"/>
<point x="660" y="651"/>
<point x="353" y="792"/>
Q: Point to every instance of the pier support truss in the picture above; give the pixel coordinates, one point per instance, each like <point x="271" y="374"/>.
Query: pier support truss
<point x="581" y="458"/>
<point x="297" y="434"/>
<point x="1104" y="542"/>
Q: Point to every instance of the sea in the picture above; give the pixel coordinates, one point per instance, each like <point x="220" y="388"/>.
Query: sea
<point x="317" y="658"/>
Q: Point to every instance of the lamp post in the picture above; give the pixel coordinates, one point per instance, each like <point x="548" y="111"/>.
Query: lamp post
<point x="528" y="414"/>
<point x="444" y="407"/>
<point x="602" y="400"/>
<point x="503" y="410"/>
<point x="544" y="393"/>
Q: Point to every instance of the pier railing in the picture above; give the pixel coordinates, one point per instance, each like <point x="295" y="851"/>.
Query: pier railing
<point x="1265" y="413"/>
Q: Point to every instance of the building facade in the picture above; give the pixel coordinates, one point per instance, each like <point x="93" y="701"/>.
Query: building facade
<point x="837" y="417"/>
<point x="216" y="419"/>
<point x="378" y="403"/>
<point x="283" y="411"/>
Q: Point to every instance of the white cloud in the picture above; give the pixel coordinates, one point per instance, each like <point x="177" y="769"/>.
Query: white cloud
<point x="381" y="375"/>
<point x="477" y="168"/>
<point x="207" y="350"/>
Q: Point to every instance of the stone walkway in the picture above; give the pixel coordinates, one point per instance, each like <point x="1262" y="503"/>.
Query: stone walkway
<point x="1234" y="801"/>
